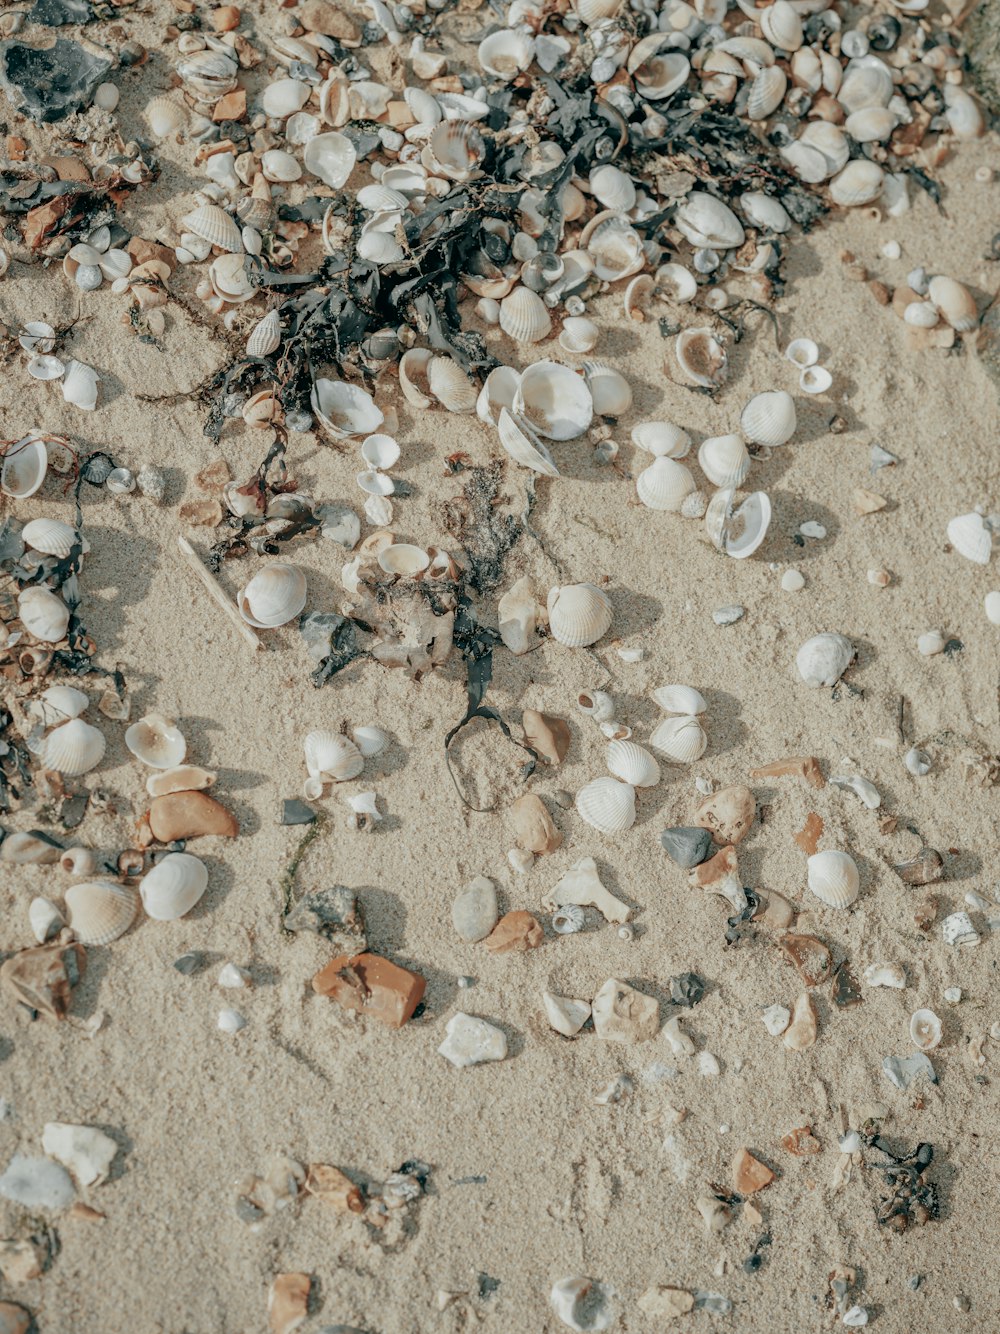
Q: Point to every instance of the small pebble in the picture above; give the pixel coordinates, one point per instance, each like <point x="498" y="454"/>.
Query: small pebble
<point x="231" y="1021"/>
<point x="917" y="762"/>
<point x="880" y="578"/>
<point x="631" y="654"/>
<point x="855" y="1317"/>
<point x="892" y="250"/>
<point x="792" y="581"/>
<point x="962" y="1303"/>
<point x="188" y="963"/>
<point x="931" y="642"/>
<point x="812" y="529"/>
<point x="953" y="995"/>
<point x="466" y="982"/>
<point x="231" y="976"/>
<point x="850" y="1142"/>
<point x="708" y="1065"/>
<point x="727" y="615"/>
<point x="992" y="604"/>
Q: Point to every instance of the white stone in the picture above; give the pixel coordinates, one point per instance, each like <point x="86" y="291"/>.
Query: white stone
<point x="708" y="1065"/>
<point x="776" y="1019"/>
<point x="232" y="976"/>
<point x="957" y="929"/>
<point x="930" y="643"/>
<point x="474" y="912"/>
<point x="37" y="1183"/>
<point x="472" y="1041"/>
<point x="680" y="1043"/>
<point x="565" y="1015"/>
<point x="792" y="581"/>
<point x="231" y="1021"/>
<point x="992" y="604"/>
<point x="85" y="1150"/>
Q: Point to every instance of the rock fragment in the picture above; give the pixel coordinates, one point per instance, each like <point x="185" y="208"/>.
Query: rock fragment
<point x="371" y="985"/>
<point x="534" y="829"/>
<point x="474" y="912"/>
<point x="515" y="933"/>
<point x="472" y="1041"/>
<point x="622" y="1014"/>
<point x="749" y="1173"/>
<point x="801" y="1032"/>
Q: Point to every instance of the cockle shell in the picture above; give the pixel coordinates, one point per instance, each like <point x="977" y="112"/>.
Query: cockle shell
<point x="953" y="301"/>
<point x="524" y="316"/>
<point x="737" y="531"/>
<point x="632" y="764"/>
<point x="332" y="757"/>
<point x="156" y="741"/>
<point x="970" y="537"/>
<point x="724" y="460"/>
<point x="664" y="485"/>
<point x="676" y="283"/>
<point x="823" y="659"/>
<point x="163" y="115"/>
<point x="612" y="187"/>
<point x="554" y="401"/>
<point x="925" y="1029"/>
<point x="679" y="699"/>
<point x="579" y="614"/>
<point x="860" y="182"/>
<point x="702" y="357"/>
<point x="661" y="439"/>
<point x="179" y="778"/>
<point x="593" y="11"/>
<point x="214" y="225"/>
<point x="610" y="391"/>
<point x="526" y="448"/>
<point x="208" y="75"/>
<point x="578" y="334"/>
<point x="43" y="614"/>
<point x="769" y="418"/>
<point x="79" y="386"/>
<point x="52" y="537"/>
<point x="274" y="596"/>
<point x="781" y="25"/>
<point x="58" y="704"/>
<point x="613" y="246"/>
<point x="681" y="738"/>
<point x="100" y="911"/>
<point x="450" y="385"/>
<point x="74" y="748"/>
<point x="766" y="92"/>
<point x="371" y="741"/>
<point x="344" y="409"/>
<point x="173" y="886"/>
<point x="833" y="877"/>
<point x="708" y="223"/>
<point x="455" y="149"/>
<point x="506" y="54"/>
<point x="661" y="72"/>
<point x="25" y="463"/>
<point x="607" y="805"/>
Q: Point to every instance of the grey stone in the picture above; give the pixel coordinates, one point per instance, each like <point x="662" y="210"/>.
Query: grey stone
<point x="685" y="846"/>
<point x="903" y="1070"/>
<point x="475" y="912"/>
<point x="334" y="913"/>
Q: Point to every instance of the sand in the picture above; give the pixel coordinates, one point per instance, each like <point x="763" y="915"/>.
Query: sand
<point x="532" y="1180"/>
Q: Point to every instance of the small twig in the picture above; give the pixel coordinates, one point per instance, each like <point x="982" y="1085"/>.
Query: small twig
<point x="216" y="592"/>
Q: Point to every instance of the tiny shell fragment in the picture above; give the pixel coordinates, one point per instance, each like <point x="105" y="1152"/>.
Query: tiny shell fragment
<point x="288" y="1302"/>
<point x="801" y="1141"/>
<point x="331" y="1186"/>
<point x="809" y="956"/>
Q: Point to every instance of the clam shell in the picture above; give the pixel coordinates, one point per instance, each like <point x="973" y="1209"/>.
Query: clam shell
<point x="497" y="392"/>
<point x="173" y="886"/>
<point x="740" y="531"/>
<point x="506" y="54"/>
<point x="860" y="182"/>
<point x="682" y="739"/>
<point x="524" y="316"/>
<point x="925" y="1029"/>
<point x="179" y="778"/>
<point x="664" y="485"/>
<point x="554" y="401"/>
<point x="632" y="764"/>
<point x="526" y="449"/>
<point x="781" y="25"/>
<point x="100" y="911"/>
<point x="769" y="418"/>
<point x="284" y="97"/>
<point x="208" y="75"/>
<point x="612" y="187"/>
<point x="380" y="451"/>
<point x="43" y="614"/>
<point x="274" y="596"/>
<point x="73" y="748"/>
<point x="679" y="699"/>
<point x="766" y="92"/>
<point x="970" y="537"/>
<point x="579" y="614"/>
<point x="953" y="301"/>
<point x="610" y="391"/>
<point x="802" y="352"/>
<point x="50" y="536"/>
<point x="277" y="165"/>
<point x="333" y="757"/>
<point x="214" y="224"/>
<point x="344" y="409"/>
<point x="833" y="877"/>
<point x="156" y="741"/>
<point x="45" y="919"/>
<point x="25" y="463"/>
<point x="58" y="704"/>
<point x="578" y="334"/>
<point x="962" y="113"/>
<point x="676" y="283"/>
<point x="371" y="741"/>
<point x="823" y="659"/>
<point x="724" y="460"/>
<point x="702" y="357"/>
<point x="765" y="211"/>
<point x="265" y="336"/>
<point x="708" y="223"/>
<point x="661" y="73"/>
<point x="661" y="439"/>
<point x="613" y="245"/>
<point x="607" y="805"/>
<point x="450" y="385"/>
<point x="403" y="558"/>
<point x="871" y="125"/>
<point x="455" y="149"/>
<point x="331" y="157"/>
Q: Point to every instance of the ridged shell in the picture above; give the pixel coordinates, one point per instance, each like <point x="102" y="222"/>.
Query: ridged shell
<point x="450" y="385"/>
<point x="100" y="911"/>
<point x="769" y="418"/>
<point x="661" y="439"/>
<point x="612" y="187"/>
<point x="163" y="115"/>
<point x="527" y="450"/>
<point x="578" y="334"/>
<point x="371" y="741"/>
<point x="724" y="460"/>
<point x="593" y="11"/>
<point x="579" y="614"/>
<point x="632" y="764"/>
<point x="925" y="1029"/>
<point x="179" y="778"/>
<point x="331" y="756"/>
<point x="607" y="805"/>
<point x="679" y="699"/>
<point x="74" y="748"/>
<point x="766" y="93"/>
<point x="707" y="222"/>
<point x="682" y="739"/>
<point x="970" y="537"/>
<point x="345" y="409"/>
<point x="664" y="485"/>
<point x="52" y="537"/>
<point x="554" y="401"/>
<point x="214" y="224"/>
<point x="156" y="741"/>
<point x="823" y="659"/>
<point x="871" y="125"/>
<point x="506" y="54"/>
<point x="265" y="336"/>
<point x="208" y="75"/>
<point x="274" y="596"/>
<point x="58" y="704"/>
<point x="43" y="614"/>
<point x="173" y="886"/>
<point x="524" y="316"/>
<point x="455" y="148"/>
<point x="781" y="25"/>
<point x="610" y="391"/>
<point x="860" y="182"/>
<point x="833" y="877"/>
<point x="953" y="300"/>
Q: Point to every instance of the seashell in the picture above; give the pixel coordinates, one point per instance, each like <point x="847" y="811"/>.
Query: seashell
<point x="425" y="110"/>
<point x="871" y="125"/>
<point x="274" y="596"/>
<point x="833" y="877"/>
<point x="215" y="225"/>
<point x="331" y="157"/>
<point x="682" y="739"/>
<point x="920" y="314"/>
<point x="613" y="245"/>
<point x="584" y="1303"/>
<point x="568" y="919"/>
<point x="953" y="301"/>
<point x="45" y="368"/>
<point x="815" y="380"/>
<point x="579" y="614"/>
<point x="867" y="82"/>
<point x="230" y="279"/>
<point x="661" y="439"/>
<point x="450" y="385"/>
<point x="120" y="481"/>
<point x="79" y="386"/>
<point x="638" y="296"/>
<point x="766" y="91"/>
<point x="517" y="616"/>
<point x="781" y="25"/>
<point x="596" y="704"/>
<point x="802" y="352"/>
<point x="58" y="704"/>
<point x="528" y="450"/>
<point x="610" y="391"/>
<point x="178" y="778"/>
<point x="925" y="1030"/>
<point x="284" y="97"/>
<point x="578" y="335"/>
<point x="79" y="861"/>
<point x="45" y="919"/>
<point x="208" y="75"/>
<point x="30" y="849"/>
<point x="265" y="336"/>
<point x="962" y="112"/>
<point x="173" y="886"/>
<point x="553" y="401"/>
<point x="676" y="283"/>
<point x="769" y="418"/>
<point x="632" y="764"/>
<point x="970" y="537"/>
<point x="708" y="223"/>
<point x="25" y="463"/>
<point x="860" y="182"/>
<point x="664" y="485"/>
<point x="524" y="316"/>
<point x="404" y="559"/>
<point x="455" y="149"/>
<point x="765" y="211"/>
<point x="73" y="748"/>
<point x="885" y="975"/>
<point x="661" y="72"/>
<point x="43" y="614"/>
<point x="332" y="757"/>
<point x="413" y="367"/>
<point x="52" y="537"/>
<point x="344" y="409"/>
<point x="506" y="54"/>
<point x="156" y="741"/>
<point x="702" y="357"/>
<point x="163" y="115"/>
<point x="100" y="911"/>
<point x="613" y="188"/>
<point x="738" y="532"/>
<point x="680" y="699"/>
<point x="724" y="460"/>
<point x="371" y="741"/>
<point x="823" y="659"/>
<point x="607" y="805"/>
<point x="277" y="165"/>
<point x="380" y="451"/>
<point x="593" y="11"/>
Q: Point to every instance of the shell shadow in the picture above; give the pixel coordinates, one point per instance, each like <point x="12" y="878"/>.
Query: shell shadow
<point x="784" y="542"/>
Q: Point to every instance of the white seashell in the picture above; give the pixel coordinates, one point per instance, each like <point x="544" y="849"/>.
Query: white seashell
<point x="769" y="418"/>
<point x="610" y="391"/>
<point x="638" y="296"/>
<point x="682" y="739"/>
<point x="506" y="54"/>
<point x="37" y="336"/>
<point x="708" y="223"/>
<point x="43" y="614"/>
<point x="52" y="537"/>
<point x="607" y="805"/>
<point x="277" y="165"/>
<point x="833" y="877"/>
<point x="265" y="336"/>
<point x="970" y="537"/>
<point x="962" y="112"/>
<point x="632" y="764"/>
<point x="371" y="741"/>
<point x="344" y="409"/>
<point x="613" y="245"/>
<point x="450" y="385"/>
<point x="45" y="368"/>
<point x="331" y="157"/>
<point x="179" y="778"/>
<point x="662" y="72"/>
<point x="815" y="379"/>
<point x="781" y="25"/>
<point x="284" y="97"/>
<point x="765" y="211"/>
<point x="584" y="1303"/>
<point x="766" y="91"/>
<point x="274" y="596"/>
<point x="925" y="1030"/>
<point x="79" y="861"/>
<point x="230" y="279"/>
<point x="867" y="82"/>
<point x="802" y="352"/>
<point x="213" y="224"/>
<point x="613" y="188"/>
<point x="593" y="11"/>
<point x="578" y="334"/>
<point x="954" y="302"/>
<point x="524" y="446"/>
<point x="425" y="110"/>
<point x="173" y="886"/>
<point x="871" y="125"/>
<point x="823" y="659"/>
<point x="860" y="182"/>
<point x="497" y="392"/>
<point x="163" y="115"/>
<point x="115" y="264"/>
<point x="676" y="283"/>
<point x="45" y="919"/>
<point x="702" y="357"/>
<point x="724" y="460"/>
<point x="156" y="741"/>
<point x="579" y="614"/>
<point x="25" y="463"/>
<point x="885" y="975"/>
<point x="664" y="485"/>
<point x="596" y="704"/>
<point x="568" y="919"/>
<point x="455" y="149"/>
<point x="332" y="757"/>
<point x="58" y="704"/>
<point x="208" y="75"/>
<point x="661" y="439"/>
<point x="100" y="911"/>
<point x="74" y="748"/>
<point x="920" y="315"/>
<point x="566" y="1016"/>
<point x="517" y="617"/>
<point x="553" y="401"/>
<point x="380" y="451"/>
<point x="524" y="316"/>
<point x="680" y="699"/>
<point x="79" y="386"/>
<point x="738" y="532"/>
<point x="404" y="559"/>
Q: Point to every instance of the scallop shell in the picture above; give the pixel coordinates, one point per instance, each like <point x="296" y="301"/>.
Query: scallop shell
<point x="833" y="877"/>
<point x="724" y="460"/>
<point x="524" y="316"/>
<point x="682" y="739"/>
<point x="404" y="559"/>
<point x="344" y="409"/>
<point x="25" y="463"/>
<point x="664" y="485"/>
<point x="612" y="187"/>
<point x="661" y="439"/>
<point x="73" y="748"/>
<point x="179" y="778"/>
<point x="156" y="741"/>
<point x="100" y="911"/>
<point x="331" y="157"/>
<point x="524" y="446"/>
<point x="680" y="699"/>
<point x="163" y="115"/>
<point x="43" y="614"/>
<point x="274" y="596"/>
<point x="450" y="385"/>
<point x="265" y="336"/>
<point x="371" y="741"/>
<point x="79" y="386"/>
<point x="953" y="301"/>
<point x="607" y="805"/>
<point x="708" y="223"/>
<point x="553" y="401"/>
<point x="970" y="537"/>
<point x="613" y="245"/>
<point x="214" y="224"/>
<point x="593" y="11"/>
<point x="632" y="764"/>
<point x="506" y="54"/>
<point x="208" y="75"/>
<point x="455" y="149"/>
<point x="823" y="659"/>
<point x="769" y="418"/>
<point x="333" y="757"/>
<point x="579" y="614"/>
<point x="173" y="886"/>
<point x="702" y="357"/>
<point x="860" y="182"/>
<point x="925" y="1029"/>
<point x="52" y="537"/>
<point x="766" y="93"/>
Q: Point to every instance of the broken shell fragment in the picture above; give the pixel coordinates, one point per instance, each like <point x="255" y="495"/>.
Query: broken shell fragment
<point x="971" y="538"/>
<point x="548" y="735"/>
<point x="926" y="867"/>
<point x="833" y="877"/>
<point x="925" y="1029"/>
<point x="515" y="932"/>
<point x="179" y="778"/>
<point x="622" y="1014"/>
<point x="584" y="1303"/>
<point x="581" y="886"/>
<point x="182" y="815"/>
<point x="801" y="1032"/>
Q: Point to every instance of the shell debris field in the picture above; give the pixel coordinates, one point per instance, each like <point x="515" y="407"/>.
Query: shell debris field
<point x="497" y="594"/>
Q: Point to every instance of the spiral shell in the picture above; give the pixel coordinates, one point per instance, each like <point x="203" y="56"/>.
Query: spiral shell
<point x="579" y="614"/>
<point x="100" y="911"/>
<point x="568" y="919"/>
<point x="607" y="805"/>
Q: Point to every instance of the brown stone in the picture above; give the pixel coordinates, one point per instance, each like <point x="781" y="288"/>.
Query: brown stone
<point x="142" y="251"/>
<point x="213" y="476"/>
<point x="201" y="513"/>
<point x="809" y="956"/>
<point x="371" y="985"/>
<point x="801" y="1032"/>
<point x="533" y="825"/>
<point x="749" y="1173"/>
<point x="86" y="1213"/>
<point x="923" y="869"/>
<point x="21" y="1261"/>
<point x="844" y="990"/>
<point x="880" y="292"/>
<point x="778" y="912"/>
<point x="43" y="220"/>
<point x="322" y="16"/>
<point x="801" y="1141"/>
<point x="67" y="168"/>
<point x="288" y="1302"/>
<point x="514" y="933"/>
<point x="14" y="1319"/>
<point x="715" y="869"/>
<point x="727" y="814"/>
<point x="190" y="815"/>
<point x="924" y="913"/>
<point x="225" y="18"/>
<point x="231" y="107"/>
<point x="16" y="148"/>
<point x="44" y="976"/>
<point x="796" y="766"/>
<point x="334" y="1188"/>
<point x="809" y="835"/>
<point x="547" y="734"/>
